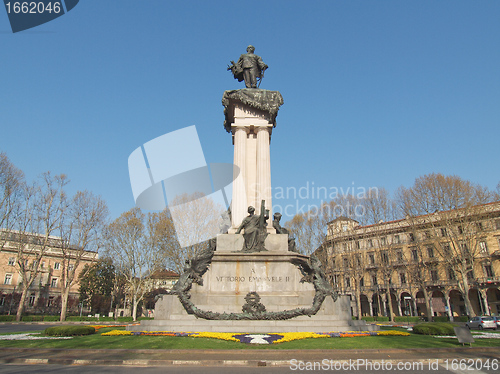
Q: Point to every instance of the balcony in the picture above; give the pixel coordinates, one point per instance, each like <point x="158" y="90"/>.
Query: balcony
<point x="488" y="280"/>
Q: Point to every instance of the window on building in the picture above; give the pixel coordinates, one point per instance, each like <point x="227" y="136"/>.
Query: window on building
<point x="443" y="231"/>
<point x="479" y="226"/>
<point x="446" y="249"/>
<point x="383" y="240"/>
<point x="460" y="230"/>
<point x="358" y="260"/>
<point x="430" y="252"/>
<point x="497" y="224"/>
<point x="371" y="256"/>
<point x="414" y="254"/>
<point x="399" y="255"/>
<point x="71" y="267"/>
<point x="434" y="275"/>
<point x="8" y="279"/>
<point x="362" y="282"/>
<point x="483" y="248"/>
<point x="31" y="300"/>
<point x="370" y="243"/>
<point x="43" y="265"/>
<point x="402" y="278"/>
<point x="357" y="244"/>
<point x="385" y="257"/>
<point x="57" y="266"/>
<point x="2" y="301"/>
<point x="412" y="237"/>
<point x="427" y="234"/>
<point x="344" y="228"/>
<point x="12" y="261"/>
<point x="347" y="282"/>
<point x="53" y="282"/>
<point x="451" y="274"/>
<point x="374" y="280"/>
<point x="50" y="301"/>
<point x="488" y="271"/>
<point x="346" y="262"/>
<point x="396" y="239"/>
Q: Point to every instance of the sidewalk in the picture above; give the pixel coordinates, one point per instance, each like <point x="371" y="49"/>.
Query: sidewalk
<point x="243" y="357"/>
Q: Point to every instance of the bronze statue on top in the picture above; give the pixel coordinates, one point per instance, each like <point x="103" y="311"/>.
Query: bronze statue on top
<point x="249" y="68"/>
<point x="255" y="229"/>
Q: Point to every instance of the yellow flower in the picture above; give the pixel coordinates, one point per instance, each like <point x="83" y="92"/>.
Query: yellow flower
<point x="116" y="333"/>
<point x="215" y="335"/>
<point x="289" y="336"/>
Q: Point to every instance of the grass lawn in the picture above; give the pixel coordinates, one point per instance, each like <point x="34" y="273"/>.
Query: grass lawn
<point x="97" y="341"/>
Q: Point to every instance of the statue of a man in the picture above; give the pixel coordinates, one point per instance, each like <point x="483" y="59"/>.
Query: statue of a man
<point x="248" y="68"/>
<point x="255" y="230"/>
<point x="282" y="230"/>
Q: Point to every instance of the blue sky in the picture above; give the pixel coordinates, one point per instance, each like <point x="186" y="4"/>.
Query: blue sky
<point x="376" y="93"/>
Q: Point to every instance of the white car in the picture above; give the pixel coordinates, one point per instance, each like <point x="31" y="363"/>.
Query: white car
<point x="482" y="322"/>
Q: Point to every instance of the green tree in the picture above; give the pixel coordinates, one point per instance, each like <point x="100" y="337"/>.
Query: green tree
<point x="100" y="285"/>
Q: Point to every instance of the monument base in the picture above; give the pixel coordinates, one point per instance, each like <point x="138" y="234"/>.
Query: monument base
<point x="270" y="276"/>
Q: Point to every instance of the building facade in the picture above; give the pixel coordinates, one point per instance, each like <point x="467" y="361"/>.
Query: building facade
<point x="443" y="264"/>
<point x="44" y="294"/>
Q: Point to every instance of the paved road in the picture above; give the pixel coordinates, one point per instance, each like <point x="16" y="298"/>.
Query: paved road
<point x="8" y="329"/>
<point x="60" y="369"/>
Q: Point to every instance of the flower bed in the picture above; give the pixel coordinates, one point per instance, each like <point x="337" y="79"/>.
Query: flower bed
<point x="260" y="338"/>
<point x="97" y="327"/>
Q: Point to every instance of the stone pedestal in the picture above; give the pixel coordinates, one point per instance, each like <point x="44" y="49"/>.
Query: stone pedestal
<point x="272" y="275"/>
<point x="231" y="277"/>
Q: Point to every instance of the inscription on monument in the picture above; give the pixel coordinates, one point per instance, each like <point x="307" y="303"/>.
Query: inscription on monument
<point x="251" y="279"/>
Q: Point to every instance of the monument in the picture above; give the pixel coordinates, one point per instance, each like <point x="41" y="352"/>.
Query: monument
<point x="250" y="279"/>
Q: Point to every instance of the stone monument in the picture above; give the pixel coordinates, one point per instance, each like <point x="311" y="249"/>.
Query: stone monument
<point x="250" y="279"/>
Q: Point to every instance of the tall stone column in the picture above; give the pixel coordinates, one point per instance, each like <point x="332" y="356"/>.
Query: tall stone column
<point x="239" y="202"/>
<point x="264" y="168"/>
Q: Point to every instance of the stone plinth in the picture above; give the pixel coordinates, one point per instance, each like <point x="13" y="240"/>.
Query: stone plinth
<point x="232" y="276"/>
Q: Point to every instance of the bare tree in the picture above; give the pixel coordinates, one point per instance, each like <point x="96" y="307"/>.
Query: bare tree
<point x="135" y="250"/>
<point x="448" y="207"/>
<point x="194" y="219"/>
<point x="43" y="207"/>
<point x="81" y="233"/>
<point x="11" y="189"/>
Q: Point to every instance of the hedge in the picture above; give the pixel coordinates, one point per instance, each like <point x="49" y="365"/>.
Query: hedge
<point x="69" y="330"/>
<point x="32" y="318"/>
<point x="7" y="318"/>
<point x="434" y="328"/>
<point x="375" y="318"/>
<point x="411" y="319"/>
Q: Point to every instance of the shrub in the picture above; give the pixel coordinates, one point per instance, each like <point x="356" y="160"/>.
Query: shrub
<point x="32" y="318"/>
<point x="7" y="318"/>
<point x="368" y="318"/>
<point x="81" y="319"/>
<point x="463" y="319"/>
<point x="441" y="319"/>
<point x="51" y="318"/>
<point x="69" y="330"/>
<point x="411" y="319"/>
<point x="434" y="328"/>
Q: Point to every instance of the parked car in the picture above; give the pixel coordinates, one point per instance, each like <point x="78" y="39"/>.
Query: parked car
<point x="497" y="320"/>
<point x="482" y="322"/>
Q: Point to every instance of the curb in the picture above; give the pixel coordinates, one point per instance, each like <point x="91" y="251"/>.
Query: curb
<point x="274" y="359"/>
